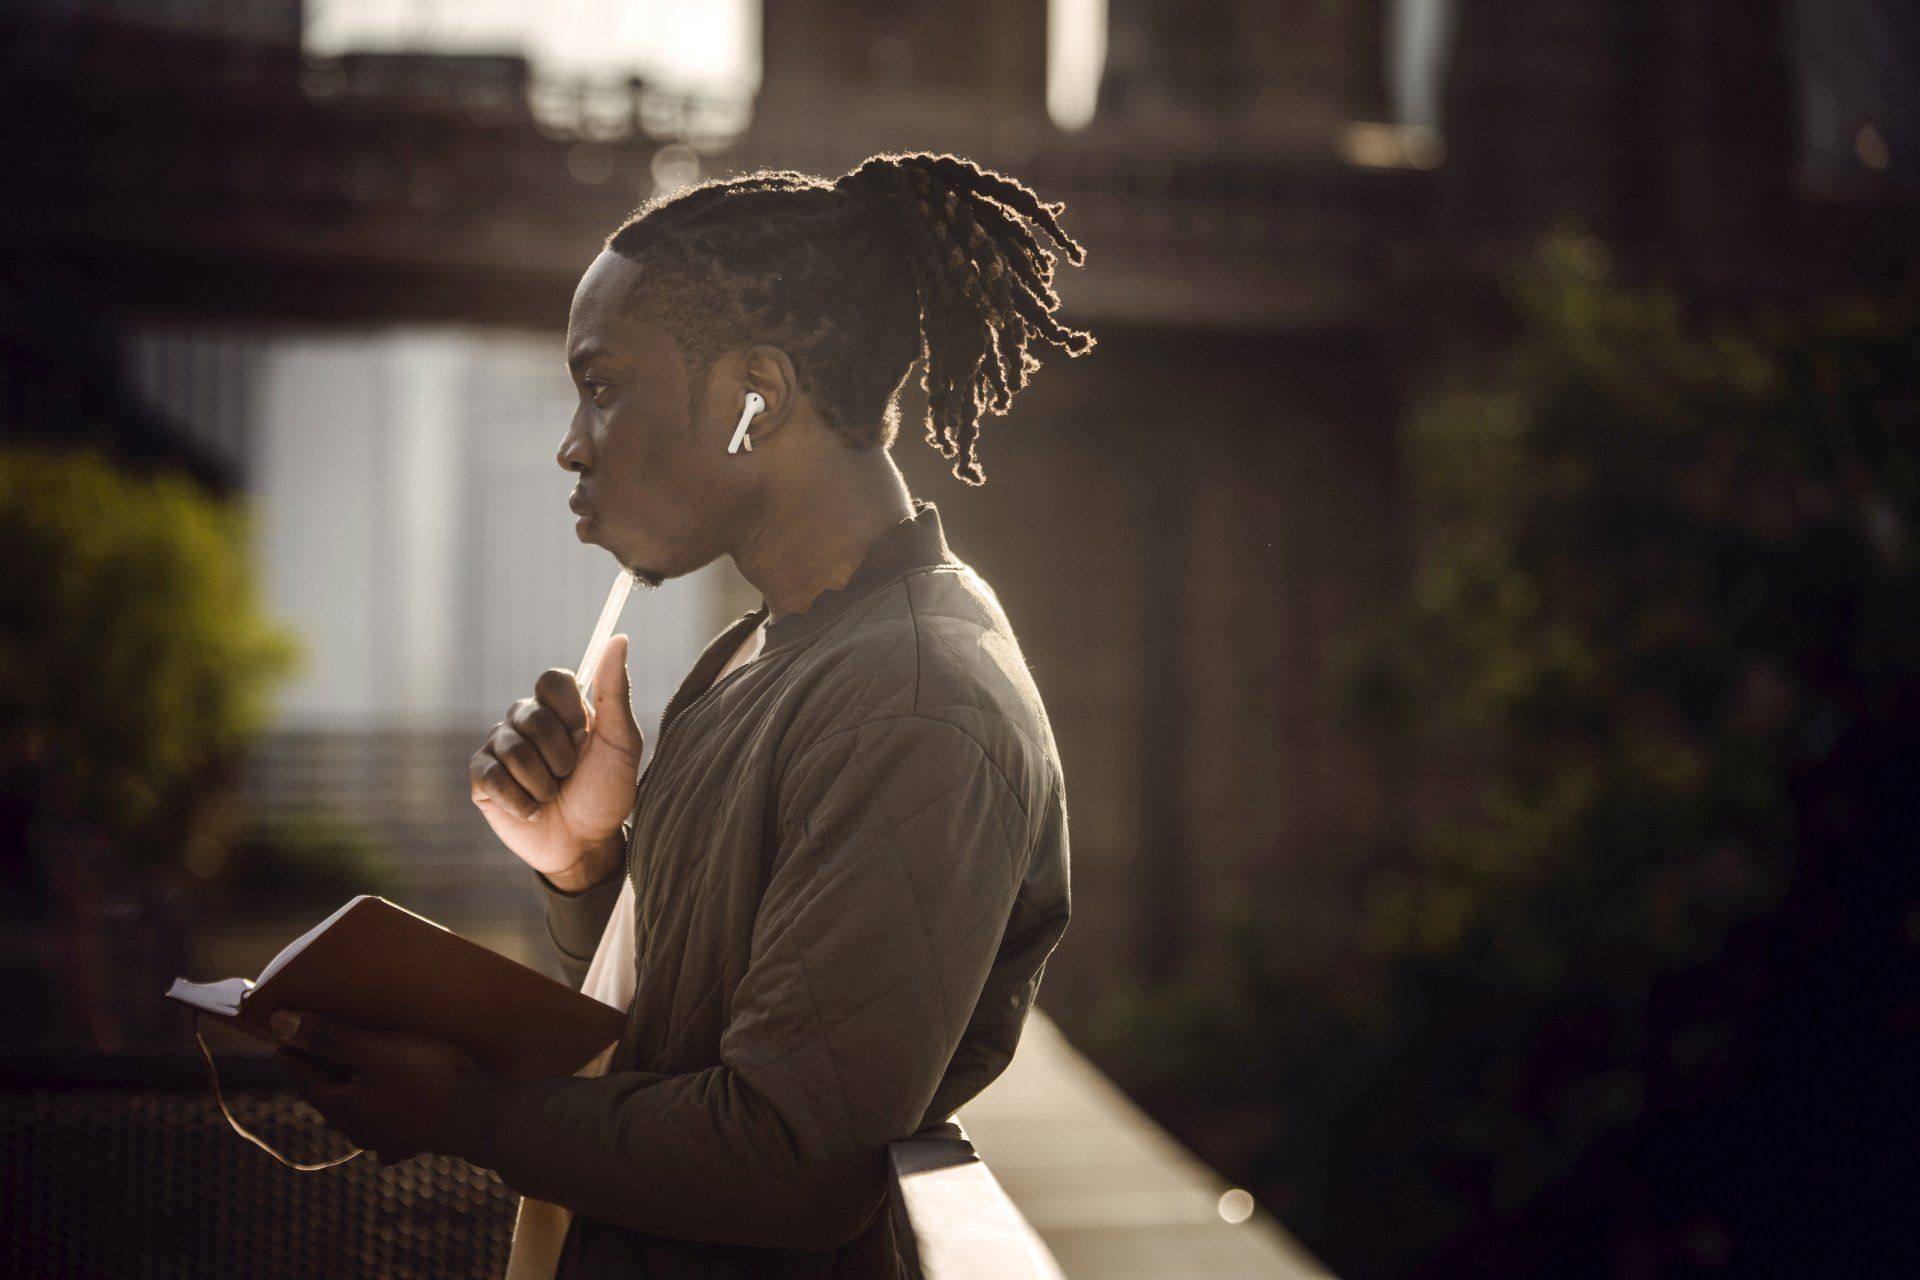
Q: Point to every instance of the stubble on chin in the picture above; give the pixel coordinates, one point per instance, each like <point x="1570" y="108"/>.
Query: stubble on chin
<point x="646" y="577"/>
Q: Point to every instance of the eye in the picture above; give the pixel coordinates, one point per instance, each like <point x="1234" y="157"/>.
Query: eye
<point x="597" y="389"/>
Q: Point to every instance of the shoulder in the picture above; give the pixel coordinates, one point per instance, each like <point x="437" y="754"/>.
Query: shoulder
<point x="935" y="648"/>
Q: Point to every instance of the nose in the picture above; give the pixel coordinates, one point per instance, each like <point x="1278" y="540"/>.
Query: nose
<point x="576" y="450"/>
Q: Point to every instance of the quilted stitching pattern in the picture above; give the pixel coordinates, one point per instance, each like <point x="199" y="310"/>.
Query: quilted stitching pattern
<point x="851" y="865"/>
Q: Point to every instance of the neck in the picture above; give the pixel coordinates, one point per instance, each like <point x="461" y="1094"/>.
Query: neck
<point x="812" y="538"/>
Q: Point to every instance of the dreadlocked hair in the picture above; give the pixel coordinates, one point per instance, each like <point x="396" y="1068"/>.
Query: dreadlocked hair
<point x="815" y="268"/>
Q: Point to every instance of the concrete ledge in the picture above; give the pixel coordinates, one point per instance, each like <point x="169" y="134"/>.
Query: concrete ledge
<point x="1114" y="1195"/>
<point x="951" y="1217"/>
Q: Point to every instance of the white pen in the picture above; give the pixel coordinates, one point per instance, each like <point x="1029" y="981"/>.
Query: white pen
<point x="609" y="614"/>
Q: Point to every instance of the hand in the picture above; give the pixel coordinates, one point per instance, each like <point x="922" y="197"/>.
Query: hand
<point x="391" y="1095"/>
<point x="555" y="779"/>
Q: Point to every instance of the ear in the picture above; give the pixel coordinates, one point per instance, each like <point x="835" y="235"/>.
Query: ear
<point x="770" y="372"/>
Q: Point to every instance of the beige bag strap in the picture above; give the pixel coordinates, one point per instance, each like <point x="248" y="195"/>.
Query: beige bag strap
<point x="213" y="1077"/>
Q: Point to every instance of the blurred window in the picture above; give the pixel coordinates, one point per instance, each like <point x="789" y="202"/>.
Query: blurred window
<point x="1419" y="41"/>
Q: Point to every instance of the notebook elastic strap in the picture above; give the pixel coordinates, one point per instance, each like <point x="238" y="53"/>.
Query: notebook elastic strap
<point x="213" y="1077"/>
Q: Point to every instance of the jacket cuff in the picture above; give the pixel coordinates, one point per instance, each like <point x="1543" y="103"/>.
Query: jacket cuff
<point x="575" y="921"/>
<point x="482" y="1113"/>
<point x="473" y="1112"/>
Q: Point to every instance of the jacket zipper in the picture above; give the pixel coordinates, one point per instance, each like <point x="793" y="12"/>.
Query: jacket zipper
<point x="666" y="730"/>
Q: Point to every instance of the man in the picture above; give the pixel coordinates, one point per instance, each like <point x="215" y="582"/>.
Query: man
<point x="847" y="856"/>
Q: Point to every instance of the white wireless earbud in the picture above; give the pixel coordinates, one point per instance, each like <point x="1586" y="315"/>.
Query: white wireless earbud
<point x="756" y="403"/>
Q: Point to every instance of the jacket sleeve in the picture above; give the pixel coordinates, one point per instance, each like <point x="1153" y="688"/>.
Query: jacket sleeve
<point x="575" y="921"/>
<point x="901" y="849"/>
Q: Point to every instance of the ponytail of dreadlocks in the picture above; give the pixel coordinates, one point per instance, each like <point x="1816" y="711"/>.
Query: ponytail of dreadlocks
<point x="909" y="256"/>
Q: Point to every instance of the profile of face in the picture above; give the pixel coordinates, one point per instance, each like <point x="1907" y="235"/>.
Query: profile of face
<point x="653" y="486"/>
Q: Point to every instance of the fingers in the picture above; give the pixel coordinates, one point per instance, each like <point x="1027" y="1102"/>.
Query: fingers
<point x="613" y="700"/>
<point x="559" y="693"/>
<point x="610" y="677"/>
<point x="542" y="726"/>
<point x="510" y="771"/>
<point x="520" y="765"/>
<point x="334" y="1041"/>
<point x="493" y="784"/>
<point x="315" y="1077"/>
<point x="524" y="761"/>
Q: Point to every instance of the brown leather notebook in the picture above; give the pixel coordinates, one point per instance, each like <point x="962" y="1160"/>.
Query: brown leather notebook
<point x="379" y="965"/>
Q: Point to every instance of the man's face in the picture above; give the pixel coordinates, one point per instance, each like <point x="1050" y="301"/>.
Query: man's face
<point x="652" y="483"/>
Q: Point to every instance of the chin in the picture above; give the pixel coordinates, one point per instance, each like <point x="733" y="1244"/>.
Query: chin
<point x="647" y="572"/>
<point x="646" y="577"/>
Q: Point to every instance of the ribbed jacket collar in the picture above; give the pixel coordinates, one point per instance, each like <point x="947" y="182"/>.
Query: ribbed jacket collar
<point x="916" y="542"/>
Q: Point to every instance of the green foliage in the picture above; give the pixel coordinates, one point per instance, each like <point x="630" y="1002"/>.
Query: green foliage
<point x="1224" y="1030"/>
<point x="1668" y="566"/>
<point x="134" y="659"/>
<point x="310" y="854"/>
<point x="1668" y="556"/>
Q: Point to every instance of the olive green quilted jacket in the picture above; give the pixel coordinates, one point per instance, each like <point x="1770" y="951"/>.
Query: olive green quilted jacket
<point x="850" y="864"/>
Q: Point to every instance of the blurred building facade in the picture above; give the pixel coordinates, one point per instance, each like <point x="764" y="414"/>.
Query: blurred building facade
<point x="1190" y="527"/>
<point x="200" y="279"/>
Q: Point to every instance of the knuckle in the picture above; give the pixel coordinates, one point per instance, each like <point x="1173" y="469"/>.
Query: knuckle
<point x="553" y="684"/>
<point x="534" y="720"/>
<point x="517" y="750"/>
<point x="559" y="697"/>
<point x="495" y="779"/>
<point x="531" y="772"/>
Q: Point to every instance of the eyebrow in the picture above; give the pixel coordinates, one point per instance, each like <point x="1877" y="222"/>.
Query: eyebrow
<point x="582" y="355"/>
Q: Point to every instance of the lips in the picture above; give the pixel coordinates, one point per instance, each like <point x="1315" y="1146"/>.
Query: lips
<point x="578" y="504"/>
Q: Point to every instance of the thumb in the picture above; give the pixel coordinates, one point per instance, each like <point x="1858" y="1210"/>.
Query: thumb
<point x="613" y="698"/>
